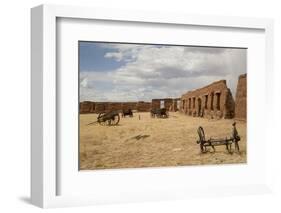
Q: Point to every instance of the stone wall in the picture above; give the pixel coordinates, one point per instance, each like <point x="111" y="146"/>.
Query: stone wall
<point x="155" y="103"/>
<point x="98" y="107"/>
<point x="241" y="98"/>
<point x="143" y="106"/>
<point x="168" y="103"/>
<point x="129" y="105"/>
<point x="212" y="101"/>
<point x="87" y="107"/>
<point x="175" y="105"/>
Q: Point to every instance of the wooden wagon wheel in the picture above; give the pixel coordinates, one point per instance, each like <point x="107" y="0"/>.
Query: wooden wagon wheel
<point x="100" y="119"/>
<point x="114" y="120"/>
<point x="201" y="133"/>
<point x="236" y="140"/>
<point x="202" y="140"/>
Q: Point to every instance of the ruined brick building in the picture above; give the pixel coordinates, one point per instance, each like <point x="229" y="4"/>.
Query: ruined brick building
<point x="212" y="101"/>
<point x="241" y="98"/>
<point x="172" y="104"/>
<point x="98" y="107"/>
<point x="156" y="103"/>
<point x="141" y="106"/>
<point x="175" y="105"/>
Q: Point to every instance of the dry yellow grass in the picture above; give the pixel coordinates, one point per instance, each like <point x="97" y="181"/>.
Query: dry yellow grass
<point x="152" y="142"/>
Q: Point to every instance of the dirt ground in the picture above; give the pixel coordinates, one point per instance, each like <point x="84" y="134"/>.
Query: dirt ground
<point x="155" y="142"/>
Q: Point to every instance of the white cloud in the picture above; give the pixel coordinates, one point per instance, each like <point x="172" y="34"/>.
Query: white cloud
<point x="84" y="82"/>
<point x="161" y="71"/>
<point x="116" y="55"/>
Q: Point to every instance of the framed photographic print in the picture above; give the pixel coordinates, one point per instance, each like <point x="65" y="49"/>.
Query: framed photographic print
<point x="149" y="106"/>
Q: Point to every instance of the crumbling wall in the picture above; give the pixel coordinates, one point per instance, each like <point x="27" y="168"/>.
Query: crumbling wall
<point x="241" y="98"/>
<point x="114" y="106"/>
<point x="101" y="107"/>
<point x="212" y="101"/>
<point x="143" y="106"/>
<point x="87" y="107"/>
<point x="175" y="105"/>
<point x="230" y="105"/>
<point x="155" y="103"/>
<point x="98" y="107"/>
<point x="129" y="105"/>
<point x="168" y="103"/>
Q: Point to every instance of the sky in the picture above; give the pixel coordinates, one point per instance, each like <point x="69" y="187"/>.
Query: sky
<point x="141" y="72"/>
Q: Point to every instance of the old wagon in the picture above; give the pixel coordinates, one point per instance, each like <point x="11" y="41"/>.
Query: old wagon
<point x="212" y="142"/>
<point x="111" y="118"/>
<point x="159" y="113"/>
<point x="127" y="112"/>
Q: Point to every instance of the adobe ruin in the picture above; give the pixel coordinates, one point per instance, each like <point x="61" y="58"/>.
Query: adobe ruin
<point x="141" y="106"/>
<point x="212" y="101"/>
<point x="172" y="104"/>
<point x="161" y="103"/>
<point x="241" y="98"/>
<point x="87" y="107"/>
<point x="175" y="105"/>
<point x="98" y="107"/>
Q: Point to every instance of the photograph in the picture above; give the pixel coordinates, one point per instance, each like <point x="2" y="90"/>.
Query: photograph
<point x="161" y="105"/>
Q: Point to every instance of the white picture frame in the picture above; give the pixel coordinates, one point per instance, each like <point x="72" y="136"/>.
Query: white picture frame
<point x="44" y="150"/>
